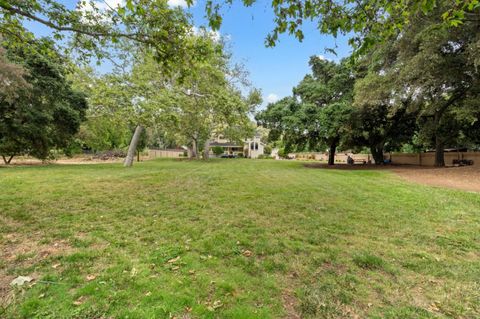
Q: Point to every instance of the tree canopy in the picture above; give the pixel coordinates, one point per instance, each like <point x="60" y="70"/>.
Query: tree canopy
<point x="418" y="86"/>
<point x="46" y="113"/>
<point x="94" y="28"/>
<point x="368" y="22"/>
<point x="318" y="112"/>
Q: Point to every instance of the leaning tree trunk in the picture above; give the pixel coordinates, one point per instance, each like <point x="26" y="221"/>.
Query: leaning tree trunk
<point x="331" y="154"/>
<point x="133" y="146"/>
<point x="439" y="153"/>
<point x="206" y="151"/>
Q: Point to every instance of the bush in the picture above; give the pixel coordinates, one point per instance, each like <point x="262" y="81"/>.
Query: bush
<point x="282" y="153"/>
<point x="240" y="155"/>
<point x="267" y="150"/>
<point x="217" y="150"/>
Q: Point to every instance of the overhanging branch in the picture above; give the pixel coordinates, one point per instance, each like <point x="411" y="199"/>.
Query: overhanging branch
<point x="50" y="24"/>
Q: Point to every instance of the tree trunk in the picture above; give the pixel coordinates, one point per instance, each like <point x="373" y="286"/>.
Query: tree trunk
<point x="132" y="149"/>
<point x="331" y="154"/>
<point x="377" y="153"/>
<point x="439" y="146"/>
<point x="439" y="153"/>
<point x="194" y="153"/>
<point x="206" y="151"/>
<point x="9" y="160"/>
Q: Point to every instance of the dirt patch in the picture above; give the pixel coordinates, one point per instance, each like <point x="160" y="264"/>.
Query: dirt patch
<point x="27" y="251"/>
<point x="30" y="161"/>
<point x="290" y="304"/>
<point x="64" y="161"/>
<point x="464" y="178"/>
<point x="20" y="251"/>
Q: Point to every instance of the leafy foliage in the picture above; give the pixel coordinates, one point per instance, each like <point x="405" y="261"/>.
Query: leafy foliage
<point x="429" y="73"/>
<point x="318" y="113"/>
<point x="369" y="21"/>
<point x="97" y="29"/>
<point x="46" y="114"/>
<point x="217" y="150"/>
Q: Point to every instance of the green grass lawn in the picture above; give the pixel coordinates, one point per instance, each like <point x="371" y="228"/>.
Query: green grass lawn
<point x="235" y="239"/>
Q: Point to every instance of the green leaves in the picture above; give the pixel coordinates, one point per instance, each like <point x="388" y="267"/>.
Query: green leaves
<point x="101" y="31"/>
<point x="372" y="21"/>
<point x="318" y="112"/>
<point x="427" y="6"/>
<point x="130" y="6"/>
<point x="45" y="112"/>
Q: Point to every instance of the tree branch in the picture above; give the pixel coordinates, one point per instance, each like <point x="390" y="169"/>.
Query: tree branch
<point x="13" y="10"/>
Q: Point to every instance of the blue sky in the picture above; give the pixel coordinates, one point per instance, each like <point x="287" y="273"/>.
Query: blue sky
<point x="273" y="70"/>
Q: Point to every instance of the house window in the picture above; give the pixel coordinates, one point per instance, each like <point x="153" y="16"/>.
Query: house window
<point x="252" y="146"/>
<point x="256" y="146"/>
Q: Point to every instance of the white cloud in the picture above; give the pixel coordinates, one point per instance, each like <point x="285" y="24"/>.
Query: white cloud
<point x="214" y="35"/>
<point x="101" y="5"/>
<point x="178" y="3"/>
<point x="98" y="7"/>
<point x="272" y="98"/>
<point x="322" y="57"/>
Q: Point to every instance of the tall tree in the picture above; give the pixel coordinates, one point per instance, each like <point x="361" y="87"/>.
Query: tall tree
<point x="44" y="116"/>
<point x="441" y="65"/>
<point x="318" y="113"/>
<point x="429" y="71"/>
<point x="327" y="98"/>
<point x="383" y="118"/>
<point x="209" y="102"/>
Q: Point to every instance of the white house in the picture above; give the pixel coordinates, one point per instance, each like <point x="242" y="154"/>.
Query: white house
<point x="251" y="148"/>
<point x="254" y="147"/>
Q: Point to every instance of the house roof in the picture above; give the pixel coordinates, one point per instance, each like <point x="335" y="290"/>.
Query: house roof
<point x="225" y="144"/>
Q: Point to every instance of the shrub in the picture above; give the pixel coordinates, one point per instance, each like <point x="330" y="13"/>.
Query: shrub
<point x="282" y="153"/>
<point x="267" y="150"/>
<point x="217" y="150"/>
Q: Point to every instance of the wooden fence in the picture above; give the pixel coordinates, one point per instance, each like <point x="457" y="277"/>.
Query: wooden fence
<point x="421" y="159"/>
<point x="169" y="153"/>
<point x="428" y="159"/>
<point x="323" y="157"/>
